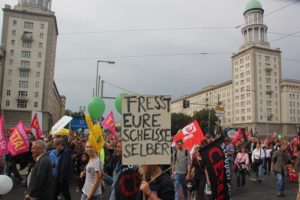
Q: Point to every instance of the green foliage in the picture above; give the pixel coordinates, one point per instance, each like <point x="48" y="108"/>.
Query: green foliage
<point x="178" y="121"/>
<point x="203" y="117"/>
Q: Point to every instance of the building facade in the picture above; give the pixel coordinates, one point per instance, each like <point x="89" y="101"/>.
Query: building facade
<point x="257" y="97"/>
<point x="29" y="38"/>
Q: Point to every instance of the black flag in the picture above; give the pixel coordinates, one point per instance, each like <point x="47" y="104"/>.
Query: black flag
<point x="217" y="164"/>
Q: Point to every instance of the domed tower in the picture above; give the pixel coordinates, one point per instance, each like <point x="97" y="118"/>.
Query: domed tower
<point x="254" y="30"/>
<point x="256" y="70"/>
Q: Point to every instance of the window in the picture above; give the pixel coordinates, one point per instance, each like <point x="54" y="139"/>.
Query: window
<point x="22" y="94"/>
<point x="36" y="94"/>
<point x="13" y="42"/>
<point x="28" y="25"/>
<point x="14" y="22"/>
<point x="23" y="84"/>
<point x="40" y="54"/>
<point x="26" y="45"/>
<point x="7" y="103"/>
<point x="268" y="80"/>
<point x="10" y="72"/>
<point x="13" y="32"/>
<point x="248" y="117"/>
<point x="8" y="83"/>
<point x="37" y="84"/>
<point x="22" y="104"/>
<point x="38" y="74"/>
<point x="11" y="62"/>
<point x="24" y="74"/>
<point x="269" y="103"/>
<point x="267" y="58"/>
<point x="41" y="35"/>
<point x="42" y="26"/>
<point x="39" y="64"/>
<point x="12" y="52"/>
<point x="26" y="54"/>
<point x="35" y="104"/>
<point x="7" y="92"/>
<point x="40" y="45"/>
<point x="25" y="64"/>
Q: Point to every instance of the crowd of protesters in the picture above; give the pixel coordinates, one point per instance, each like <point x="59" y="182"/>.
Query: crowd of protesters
<point x="56" y="162"/>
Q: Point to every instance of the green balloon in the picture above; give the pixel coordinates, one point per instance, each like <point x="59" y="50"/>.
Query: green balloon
<point x="96" y="107"/>
<point x="118" y="102"/>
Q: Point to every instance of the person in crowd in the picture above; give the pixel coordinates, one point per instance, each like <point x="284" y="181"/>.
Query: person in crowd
<point x="258" y="156"/>
<point x="242" y="163"/>
<point x="92" y="188"/>
<point x="199" y="173"/>
<point x="64" y="169"/>
<point x="280" y="160"/>
<point x="112" y="180"/>
<point x="52" y="153"/>
<point x="39" y="180"/>
<point x="161" y="186"/>
<point x="297" y="166"/>
<point x="83" y="163"/>
<point x="230" y="152"/>
<point x="180" y="167"/>
<point x="12" y="168"/>
<point x="267" y="163"/>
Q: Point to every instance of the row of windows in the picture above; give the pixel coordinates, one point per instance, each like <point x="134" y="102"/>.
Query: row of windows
<point x="293" y="111"/>
<point x="243" y="118"/>
<point x="293" y="119"/>
<point x="23" y="73"/>
<point x="24" y="64"/>
<point x="23" y="85"/>
<point x="28" y="25"/>
<point x="22" y="93"/>
<point x="21" y="104"/>
<point x="294" y="104"/>
<point x="26" y="45"/>
<point x="25" y="54"/>
<point x="267" y="58"/>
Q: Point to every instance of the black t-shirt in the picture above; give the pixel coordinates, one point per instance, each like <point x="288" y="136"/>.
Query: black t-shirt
<point x="199" y="167"/>
<point x="163" y="187"/>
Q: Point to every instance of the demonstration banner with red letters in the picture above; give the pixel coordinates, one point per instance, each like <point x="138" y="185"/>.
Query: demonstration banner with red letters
<point x="217" y="165"/>
<point x="3" y="146"/>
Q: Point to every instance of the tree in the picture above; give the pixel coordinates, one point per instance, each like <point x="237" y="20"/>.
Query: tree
<point x="178" y="121"/>
<point x="203" y="119"/>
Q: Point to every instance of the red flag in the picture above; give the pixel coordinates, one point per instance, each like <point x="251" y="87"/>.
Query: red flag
<point x="248" y="134"/>
<point x="3" y="142"/>
<point x="36" y="126"/>
<point x="190" y="135"/>
<point x="238" y="136"/>
<point x="18" y="142"/>
<point x="109" y="123"/>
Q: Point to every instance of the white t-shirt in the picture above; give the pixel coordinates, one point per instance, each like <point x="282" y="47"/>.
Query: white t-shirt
<point x="258" y="154"/>
<point x="92" y="167"/>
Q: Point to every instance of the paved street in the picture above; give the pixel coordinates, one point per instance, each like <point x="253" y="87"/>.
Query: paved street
<point x="252" y="191"/>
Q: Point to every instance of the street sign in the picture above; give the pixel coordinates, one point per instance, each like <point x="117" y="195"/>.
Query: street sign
<point x="220" y="111"/>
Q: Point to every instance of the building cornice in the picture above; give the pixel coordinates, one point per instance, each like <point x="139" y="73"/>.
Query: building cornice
<point x="255" y="46"/>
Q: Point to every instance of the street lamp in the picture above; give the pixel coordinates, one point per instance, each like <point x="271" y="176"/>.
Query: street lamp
<point x="100" y="61"/>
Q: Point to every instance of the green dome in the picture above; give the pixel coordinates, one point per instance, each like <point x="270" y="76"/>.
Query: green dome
<point x="253" y="5"/>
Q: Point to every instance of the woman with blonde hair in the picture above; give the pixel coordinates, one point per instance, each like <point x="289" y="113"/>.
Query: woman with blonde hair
<point x="92" y="188"/>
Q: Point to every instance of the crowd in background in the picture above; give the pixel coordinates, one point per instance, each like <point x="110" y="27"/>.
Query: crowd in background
<point x="66" y="160"/>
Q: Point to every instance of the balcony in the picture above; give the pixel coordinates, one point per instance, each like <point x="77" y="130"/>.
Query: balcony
<point x="24" y="68"/>
<point x="27" y="37"/>
<point x="22" y="98"/>
<point x="268" y="68"/>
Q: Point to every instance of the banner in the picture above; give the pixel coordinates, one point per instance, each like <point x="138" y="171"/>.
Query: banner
<point x="109" y="123"/>
<point x="238" y="136"/>
<point x="3" y="143"/>
<point x="36" y="126"/>
<point x="217" y="165"/>
<point x="146" y="130"/>
<point x="18" y="142"/>
<point x="190" y="135"/>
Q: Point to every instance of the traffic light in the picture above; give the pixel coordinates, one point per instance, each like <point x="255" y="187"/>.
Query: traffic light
<point x="186" y="103"/>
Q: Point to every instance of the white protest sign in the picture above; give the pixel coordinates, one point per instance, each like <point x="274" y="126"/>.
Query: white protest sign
<point x="146" y="130"/>
<point x="60" y="124"/>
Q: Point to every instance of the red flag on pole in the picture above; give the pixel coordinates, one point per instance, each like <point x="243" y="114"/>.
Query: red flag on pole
<point x="36" y="126"/>
<point x="18" y="142"/>
<point x="109" y="123"/>
<point x="3" y="142"/>
<point x="190" y="135"/>
<point x="238" y="136"/>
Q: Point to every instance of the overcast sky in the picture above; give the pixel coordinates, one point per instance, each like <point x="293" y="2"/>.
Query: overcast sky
<point x="157" y="44"/>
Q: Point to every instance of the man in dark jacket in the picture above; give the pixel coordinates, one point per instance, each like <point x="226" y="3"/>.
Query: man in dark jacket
<point x="64" y="169"/>
<point x="39" y="179"/>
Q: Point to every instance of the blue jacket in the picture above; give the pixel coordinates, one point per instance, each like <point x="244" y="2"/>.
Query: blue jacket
<point x="64" y="170"/>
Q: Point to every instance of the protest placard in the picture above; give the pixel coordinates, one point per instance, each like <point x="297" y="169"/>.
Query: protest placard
<point x="146" y="130"/>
